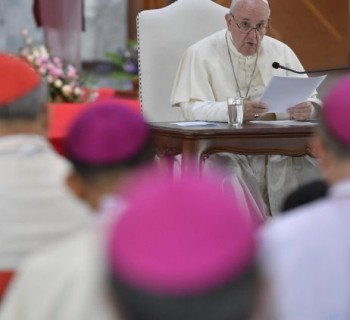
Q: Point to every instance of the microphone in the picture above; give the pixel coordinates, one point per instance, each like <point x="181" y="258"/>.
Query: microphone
<point x="276" y="65"/>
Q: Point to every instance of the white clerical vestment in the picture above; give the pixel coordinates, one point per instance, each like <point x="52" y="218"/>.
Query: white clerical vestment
<point x="305" y="258"/>
<point x="67" y="280"/>
<point x="36" y="206"/>
<point x="206" y="78"/>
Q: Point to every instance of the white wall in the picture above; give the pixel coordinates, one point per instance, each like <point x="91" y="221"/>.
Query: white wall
<point x="106" y="28"/>
<point x="15" y="15"/>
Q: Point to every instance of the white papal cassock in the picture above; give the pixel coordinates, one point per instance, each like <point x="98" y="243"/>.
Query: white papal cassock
<point x="67" y="280"/>
<point x="204" y="81"/>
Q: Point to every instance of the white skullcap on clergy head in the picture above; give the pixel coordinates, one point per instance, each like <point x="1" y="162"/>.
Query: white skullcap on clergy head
<point x="233" y="3"/>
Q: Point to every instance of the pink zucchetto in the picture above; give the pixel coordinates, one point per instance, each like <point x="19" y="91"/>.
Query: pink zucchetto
<point x="180" y="237"/>
<point x="17" y="78"/>
<point x="107" y="133"/>
<point x="336" y="111"/>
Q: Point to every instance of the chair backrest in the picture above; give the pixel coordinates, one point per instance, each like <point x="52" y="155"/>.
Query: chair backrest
<point x="163" y="35"/>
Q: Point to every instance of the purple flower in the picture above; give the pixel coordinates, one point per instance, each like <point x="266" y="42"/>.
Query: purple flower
<point x="130" y="67"/>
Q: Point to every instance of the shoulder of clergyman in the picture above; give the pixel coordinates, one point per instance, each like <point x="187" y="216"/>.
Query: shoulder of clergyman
<point x="274" y="45"/>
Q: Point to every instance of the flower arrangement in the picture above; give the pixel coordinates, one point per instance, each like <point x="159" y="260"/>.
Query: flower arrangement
<point x="63" y="80"/>
<point x="126" y="62"/>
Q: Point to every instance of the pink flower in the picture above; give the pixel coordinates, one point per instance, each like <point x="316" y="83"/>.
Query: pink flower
<point x="62" y="79"/>
<point x="71" y="72"/>
<point x="57" y="62"/>
<point x="42" y="61"/>
<point x="54" y="71"/>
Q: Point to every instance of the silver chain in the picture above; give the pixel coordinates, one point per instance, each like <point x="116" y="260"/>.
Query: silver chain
<point x="234" y="73"/>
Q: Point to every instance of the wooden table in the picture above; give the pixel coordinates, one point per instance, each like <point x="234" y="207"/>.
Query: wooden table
<point x="196" y="143"/>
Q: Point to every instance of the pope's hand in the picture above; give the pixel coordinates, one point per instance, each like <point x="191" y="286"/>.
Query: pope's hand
<point x="254" y="109"/>
<point x="301" y="111"/>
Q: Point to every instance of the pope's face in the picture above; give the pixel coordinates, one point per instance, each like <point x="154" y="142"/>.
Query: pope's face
<point x="247" y="25"/>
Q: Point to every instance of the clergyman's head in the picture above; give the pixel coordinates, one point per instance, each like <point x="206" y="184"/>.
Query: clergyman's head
<point x="23" y="96"/>
<point x="183" y="249"/>
<point x="332" y="143"/>
<point x="248" y="22"/>
<point x="105" y="144"/>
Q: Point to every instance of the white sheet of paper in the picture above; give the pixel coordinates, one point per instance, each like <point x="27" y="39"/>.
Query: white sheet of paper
<point x="194" y="123"/>
<point x="284" y="92"/>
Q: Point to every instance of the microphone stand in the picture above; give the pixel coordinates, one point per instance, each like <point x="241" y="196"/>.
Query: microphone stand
<point x="328" y="70"/>
<point x="276" y="65"/>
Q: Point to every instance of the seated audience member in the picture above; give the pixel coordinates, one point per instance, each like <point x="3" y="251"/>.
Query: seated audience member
<point x="182" y="249"/>
<point x="106" y="143"/>
<point x="307" y="193"/>
<point x="237" y="62"/>
<point x="36" y="207"/>
<point x="305" y="255"/>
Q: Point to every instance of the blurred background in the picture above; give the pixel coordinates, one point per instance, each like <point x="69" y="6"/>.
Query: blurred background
<point x="317" y="30"/>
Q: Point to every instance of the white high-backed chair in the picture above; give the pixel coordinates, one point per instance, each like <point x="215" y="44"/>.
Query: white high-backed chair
<point x="163" y="36"/>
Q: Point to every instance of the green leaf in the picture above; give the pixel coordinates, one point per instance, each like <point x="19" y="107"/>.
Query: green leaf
<point x="116" y="58"/>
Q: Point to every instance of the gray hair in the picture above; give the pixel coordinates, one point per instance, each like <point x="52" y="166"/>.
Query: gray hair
<point x="28" y="107"/>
